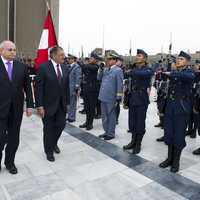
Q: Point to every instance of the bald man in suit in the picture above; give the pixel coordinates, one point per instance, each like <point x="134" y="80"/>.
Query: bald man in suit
<point x="14" y="82"/>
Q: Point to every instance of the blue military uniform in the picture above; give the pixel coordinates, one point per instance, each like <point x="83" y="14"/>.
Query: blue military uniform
<point x="177" y="112"/>
<point x="139" y="98"/>
<point x="74" y="81"/>
<point x="194" y="117"/>
<point x="138" y="103"/>
<point x="178" y="107"/>
<point x="110" y="92"/>
<point x="197" y="104"/>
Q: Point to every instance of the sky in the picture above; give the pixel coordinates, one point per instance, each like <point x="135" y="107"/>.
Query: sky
<point x="148" y="24"/>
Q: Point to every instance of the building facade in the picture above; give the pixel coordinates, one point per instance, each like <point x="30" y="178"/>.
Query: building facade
<point x="22" y="22"/>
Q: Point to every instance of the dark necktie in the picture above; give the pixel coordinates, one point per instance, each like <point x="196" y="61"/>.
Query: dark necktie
<point x="59" y="76"/>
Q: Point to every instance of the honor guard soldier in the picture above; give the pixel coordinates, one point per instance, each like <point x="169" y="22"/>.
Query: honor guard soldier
<point x="194" y="117"/>
<point x="197" y="102"/>
<point x="160" y="86"/>
<point x="162" y="93"/>
<point x="141" y="76"/>
<point x="90" y="89"/>
<point x="74" y="81"/>
<point x="110" y="94"/>
<point x="178" y="109"/>
<point x="119" y="64"/>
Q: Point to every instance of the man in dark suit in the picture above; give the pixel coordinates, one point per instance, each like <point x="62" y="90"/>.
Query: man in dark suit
<point x="14" y="81"/>
<point x="52" y="98"/>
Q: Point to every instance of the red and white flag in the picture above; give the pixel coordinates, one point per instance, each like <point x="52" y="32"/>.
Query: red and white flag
<point x="48" y="40"/>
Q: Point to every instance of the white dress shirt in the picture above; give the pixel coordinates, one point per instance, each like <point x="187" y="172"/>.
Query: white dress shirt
<point x="5" y="62"/>
<point x="55" y="67"/>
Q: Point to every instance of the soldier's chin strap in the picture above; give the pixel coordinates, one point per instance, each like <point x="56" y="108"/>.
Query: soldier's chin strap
<point x="182" y="67"/>
<point x="140" y="65"/>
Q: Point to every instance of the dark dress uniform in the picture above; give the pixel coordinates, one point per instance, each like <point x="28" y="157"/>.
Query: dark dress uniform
<point x="159" y="85"/>
<point x="178" y="109"/>
<point x="138" y="104"/>
<point x="91" y="91"/>
<point x="161" y="101"/>
<point x="194" y="117"/>
<point x="197" y="106"/>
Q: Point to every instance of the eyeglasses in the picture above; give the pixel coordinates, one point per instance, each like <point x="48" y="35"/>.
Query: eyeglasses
<point x="11" y="50"/>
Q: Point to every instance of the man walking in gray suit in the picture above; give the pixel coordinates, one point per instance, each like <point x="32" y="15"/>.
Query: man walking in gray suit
<point x="110" y="94"/>
<point x="74" y="84"/>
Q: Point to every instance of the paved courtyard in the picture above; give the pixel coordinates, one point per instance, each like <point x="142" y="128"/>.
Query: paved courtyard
<point x="91" y="169"/>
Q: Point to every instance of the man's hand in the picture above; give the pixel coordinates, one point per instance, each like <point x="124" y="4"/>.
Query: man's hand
<point x="118" y="101"/>
<point x="29" y="112"/>
<point x="77" y="91"/>
<point x="41" y="112"/>
<point x="148" y="91"/>
<point x="195" y="111"/>
<point x="166" y="73"/>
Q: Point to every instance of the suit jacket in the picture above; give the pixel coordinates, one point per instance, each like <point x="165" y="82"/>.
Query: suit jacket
<point x="12" y="92"/>
<point x="49" y="92"/>
<point x="74" y="78"/>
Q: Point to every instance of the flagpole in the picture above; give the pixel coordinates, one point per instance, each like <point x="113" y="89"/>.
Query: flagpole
<point x="170" y="44"/>
<point x="68" y="48"/>
<point x="103" y="38"/>
<point x="162" y="58"/>
<point x="82" y="53"/>
<point x="47" y="4"/>
<point x="130" y="52"/>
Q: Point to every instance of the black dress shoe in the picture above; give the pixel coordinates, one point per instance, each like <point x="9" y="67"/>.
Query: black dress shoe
<point x="82" y="112"/>
<point x="56" y="149"/>
<point x="158" y="125"/>
<point x="196" y="152"/>
<point x="97" y="117"/>
<point x="12" y="169"/>
<point x="83" y="125"/>
<point x="165" y="163"/>
<point x="108" y="137"/>
<point x="70" y="120"/>
<point x="50" y="158"/>
<point x="102" y="135"/>
<point x="193" y="134"/>
<point x="90" y="127"/>
<point x="161" y="139"/>
<point x="189" y="132"/>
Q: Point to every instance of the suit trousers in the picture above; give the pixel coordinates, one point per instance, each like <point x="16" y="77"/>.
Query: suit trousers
<point x="9" y="135"/>
<point x="52" y="129"/>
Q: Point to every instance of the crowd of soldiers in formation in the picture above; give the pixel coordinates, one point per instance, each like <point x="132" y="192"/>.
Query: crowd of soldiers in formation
<point x="178" y="97"/>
